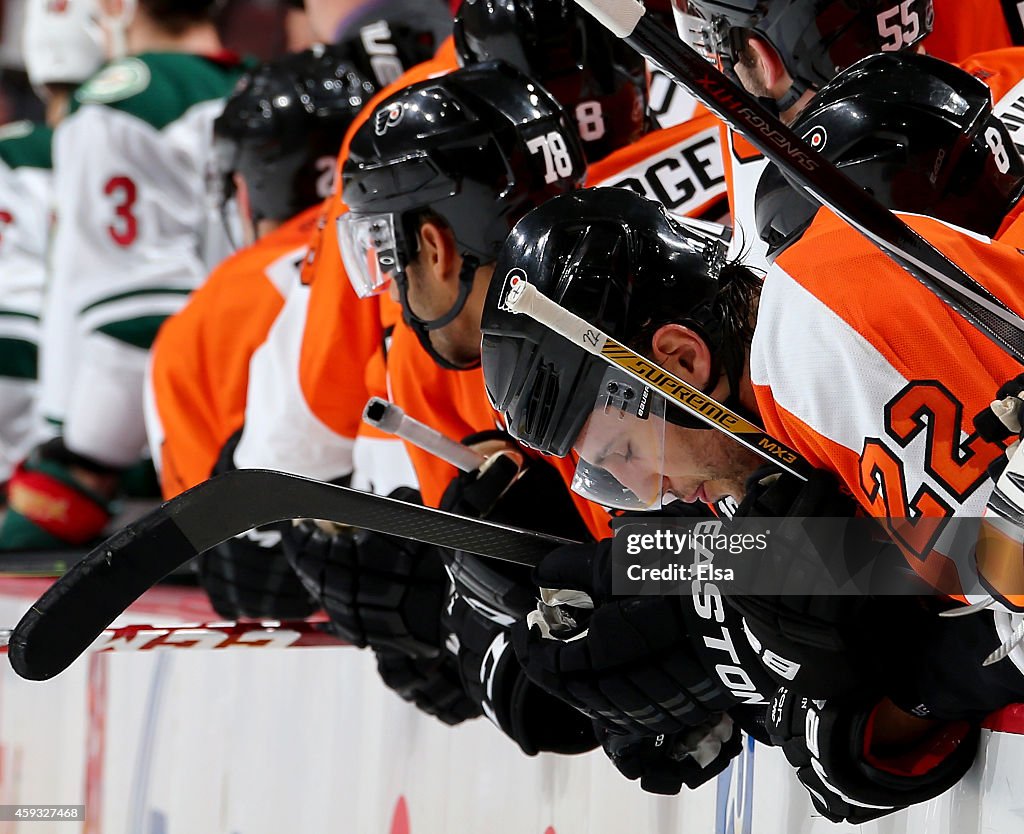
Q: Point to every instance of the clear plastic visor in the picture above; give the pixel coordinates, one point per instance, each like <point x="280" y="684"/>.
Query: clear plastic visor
<point x="622" y="446"/>
<point x="696" y="32"/>
<point x="369" y="251"/>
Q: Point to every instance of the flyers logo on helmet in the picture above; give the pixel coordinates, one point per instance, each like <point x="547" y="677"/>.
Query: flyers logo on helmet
<point x="816" y="137"/>
<point x="388" y="118"/>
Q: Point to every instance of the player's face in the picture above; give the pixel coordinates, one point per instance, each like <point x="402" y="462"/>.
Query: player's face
<point x="751" y="71"/>
<point x="694" y="465"/>
<point x="433" y="289"/>
<point x="705" y="464"/>
<point x="650" y="459"/>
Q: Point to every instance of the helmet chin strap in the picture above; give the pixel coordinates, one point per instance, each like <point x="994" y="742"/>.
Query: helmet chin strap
<point x="422" y="327"/>
<point x="791" y="96"/>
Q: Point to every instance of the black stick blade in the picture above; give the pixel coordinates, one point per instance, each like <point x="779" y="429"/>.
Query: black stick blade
<point x="89" y="597"/>
<point x="66" y="619"/>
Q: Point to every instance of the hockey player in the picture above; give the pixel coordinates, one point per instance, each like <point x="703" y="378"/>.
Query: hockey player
<point x="680" y="163"/>
<point x="771" y="353"/>
<point x="276" y="143"/>
<point x="136" y="233"/>
<point x="478" y="135"/>
<point x="59" y="54"/>
<point x="776" y="50"/>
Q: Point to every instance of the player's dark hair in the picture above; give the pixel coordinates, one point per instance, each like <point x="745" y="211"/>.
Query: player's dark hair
<point x="178" y="16"/>
<point x="733" y="307"/>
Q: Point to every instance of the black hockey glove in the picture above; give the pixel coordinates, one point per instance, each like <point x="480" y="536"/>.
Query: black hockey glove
<point x="827" y="743"/>
<point x="822" y="640"/>
<point x="939" y="674"/>
<point x="382" y="591"/>
<point x="665" y="763"/>
<point x="635" y="670"/>
<point x="493" y="678"/>
<point x="432" y="685"/>
<point x="249" y="576"/>
<point x="508" y="488"/>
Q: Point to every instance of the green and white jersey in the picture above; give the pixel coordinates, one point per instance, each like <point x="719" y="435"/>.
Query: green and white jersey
<point x="137" y="228"/>
<point x="25" y="209"/>
<point x="26" y="197"/>
<point x="136" y="222"/>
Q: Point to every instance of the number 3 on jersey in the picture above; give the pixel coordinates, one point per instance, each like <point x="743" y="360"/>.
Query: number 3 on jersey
<point x="122" y="193"/>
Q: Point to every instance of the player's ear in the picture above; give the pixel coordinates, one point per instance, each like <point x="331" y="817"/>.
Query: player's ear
<point x="682" y="351"/>
<point x="769" y="65"/>
<point x="437" y="251"/>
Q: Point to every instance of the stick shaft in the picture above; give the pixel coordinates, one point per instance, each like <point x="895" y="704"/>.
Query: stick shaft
<point x="388" y="417"/>
<point x="524" y="298"/>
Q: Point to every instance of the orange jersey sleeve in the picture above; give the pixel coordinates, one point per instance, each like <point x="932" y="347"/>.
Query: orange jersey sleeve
<point x="200" y="361"/>
<point x="865" y="372"/>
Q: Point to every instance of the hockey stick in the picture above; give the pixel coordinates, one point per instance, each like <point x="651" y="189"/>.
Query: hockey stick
<point x="87" y="599"/>
<point x="269" y="634"/>
<point x="628" y="19"/>
<point x="389" y="418"/>
<point x="40" y="563"/>
<point x="522" y="297"/>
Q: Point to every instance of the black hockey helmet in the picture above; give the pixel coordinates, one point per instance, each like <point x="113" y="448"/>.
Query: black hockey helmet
<point x="917" y="133"/>
<point x="477" y="148"/>
<point x="282" y="128"/>
<point x="384" y="49"/>
<point x="601" y="81"/>
<point x="814" y="38"/>
<point x="618" y="261"/>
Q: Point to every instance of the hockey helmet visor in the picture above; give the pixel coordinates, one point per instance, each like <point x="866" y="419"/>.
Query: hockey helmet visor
<point x="369" y="251"/>
<point x="710" y="38"/>
<point x="621" y="447"/>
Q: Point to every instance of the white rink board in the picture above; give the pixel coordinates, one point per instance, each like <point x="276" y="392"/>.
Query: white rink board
<point x="308" y="740"/>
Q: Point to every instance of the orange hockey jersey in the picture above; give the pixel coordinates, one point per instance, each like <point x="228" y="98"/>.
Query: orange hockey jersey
<point x="200" y="362"/>
<point x="343" y="331"/>
<point x="963" y="29"/>
<point x="866" y="373"/>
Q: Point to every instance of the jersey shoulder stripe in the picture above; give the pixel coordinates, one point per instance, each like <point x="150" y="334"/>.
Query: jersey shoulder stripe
<point x="27" y="145"/>
<point x="158" y="87"/>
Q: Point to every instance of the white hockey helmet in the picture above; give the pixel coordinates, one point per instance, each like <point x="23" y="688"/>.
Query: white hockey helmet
<point x="58" y="41"/>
